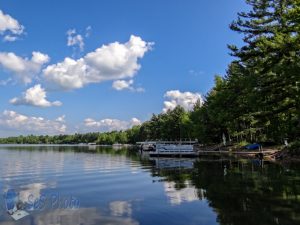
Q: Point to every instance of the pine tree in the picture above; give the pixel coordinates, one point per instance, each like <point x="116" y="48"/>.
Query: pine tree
<point x="271" y="55"/>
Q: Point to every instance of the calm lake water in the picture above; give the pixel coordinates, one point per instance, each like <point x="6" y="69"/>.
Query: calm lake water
<point x="117" y="186"/>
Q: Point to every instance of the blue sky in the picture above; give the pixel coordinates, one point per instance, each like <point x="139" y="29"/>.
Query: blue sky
<point x="167" y="51"/>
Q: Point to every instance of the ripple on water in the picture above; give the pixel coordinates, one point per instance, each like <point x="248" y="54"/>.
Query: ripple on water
<point x="119" y="188"/>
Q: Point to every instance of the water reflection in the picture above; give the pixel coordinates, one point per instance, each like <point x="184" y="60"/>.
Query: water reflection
<point x="32" y="191"/>
<point x="109" y="181"/>
<point x="178" y="196"/>
<point x="172" y="163"/>
<point x="120" y="208"/>
<point x="87" y="216"/>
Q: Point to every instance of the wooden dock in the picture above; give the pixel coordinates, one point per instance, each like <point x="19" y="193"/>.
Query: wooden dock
<point x="267" y="153"/>
<point x="238" y="152"/>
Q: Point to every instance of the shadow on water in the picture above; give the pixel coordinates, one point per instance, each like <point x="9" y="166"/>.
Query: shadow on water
<point x="238" y="191"/>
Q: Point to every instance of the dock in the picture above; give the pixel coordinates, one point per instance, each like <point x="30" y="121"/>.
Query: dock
<point x="269" y="154"/>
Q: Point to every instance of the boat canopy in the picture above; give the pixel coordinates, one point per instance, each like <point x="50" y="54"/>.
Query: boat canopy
<point x="190" y="142"/>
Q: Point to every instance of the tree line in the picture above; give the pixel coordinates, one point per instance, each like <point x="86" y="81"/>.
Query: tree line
<point x="256" y="100"/>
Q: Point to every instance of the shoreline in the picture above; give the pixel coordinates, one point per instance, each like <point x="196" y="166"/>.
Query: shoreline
<point x="273" y="154"/>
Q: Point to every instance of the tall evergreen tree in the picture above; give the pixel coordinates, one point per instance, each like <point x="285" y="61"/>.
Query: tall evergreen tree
<point x="271" y="55"/>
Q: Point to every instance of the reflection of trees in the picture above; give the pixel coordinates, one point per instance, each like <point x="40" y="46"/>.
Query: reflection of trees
<point x="250" y="194"/>
<point x="70" y="148"/>
<point x="123" y="151"/>
<point x="247" y="194"/>
<point x="178" y="176"/>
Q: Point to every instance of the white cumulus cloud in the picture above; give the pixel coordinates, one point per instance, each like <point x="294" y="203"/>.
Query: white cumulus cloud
<point x="24" y="69"/>
<point x="111" y="124"/>
<point x="120" y="85"/>
<point x="114" y="61"/>
<point x="61" y="118"/>
<point x="29" y="124"/>
<point x="74" y="39"/>
<point x="10" y="26"/>
<point x="35" y="96"/>
<point x="135" y="122"/>
<point x="185" y="99"/>
<point x="10" y="38"/>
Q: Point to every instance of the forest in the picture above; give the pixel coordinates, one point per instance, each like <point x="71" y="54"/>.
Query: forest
<point x="256" y="100"/>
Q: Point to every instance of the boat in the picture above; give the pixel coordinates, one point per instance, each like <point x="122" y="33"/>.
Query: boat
<point x="170" y="148"/>
<point x="146" y="146"/>
<point x="253" y="146"/>
<point x="117" y="145"/>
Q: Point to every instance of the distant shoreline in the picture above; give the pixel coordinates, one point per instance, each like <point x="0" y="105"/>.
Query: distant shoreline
<point x="76" y="145"/>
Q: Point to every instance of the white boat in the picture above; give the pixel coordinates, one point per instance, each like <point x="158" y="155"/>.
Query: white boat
<point x="117" y="145"/>
<point x="92" y="143"/>
<point x="172" y="148"/>
<point x="147" y="145"/>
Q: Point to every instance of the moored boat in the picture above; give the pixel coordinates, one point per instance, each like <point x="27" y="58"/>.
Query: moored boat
<point x="170" y="148"/>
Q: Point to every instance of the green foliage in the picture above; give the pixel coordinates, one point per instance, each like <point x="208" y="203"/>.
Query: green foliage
<point x="242" y="143"/>
<point x="270" y="60"/>
<point x="256" y="100"/>
<point x="173" y="125"/>
<point x="99" y="138"/>
<point x="294" y="148"/>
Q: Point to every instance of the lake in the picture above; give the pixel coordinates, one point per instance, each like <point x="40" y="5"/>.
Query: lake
<point x="71" y="185"/>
